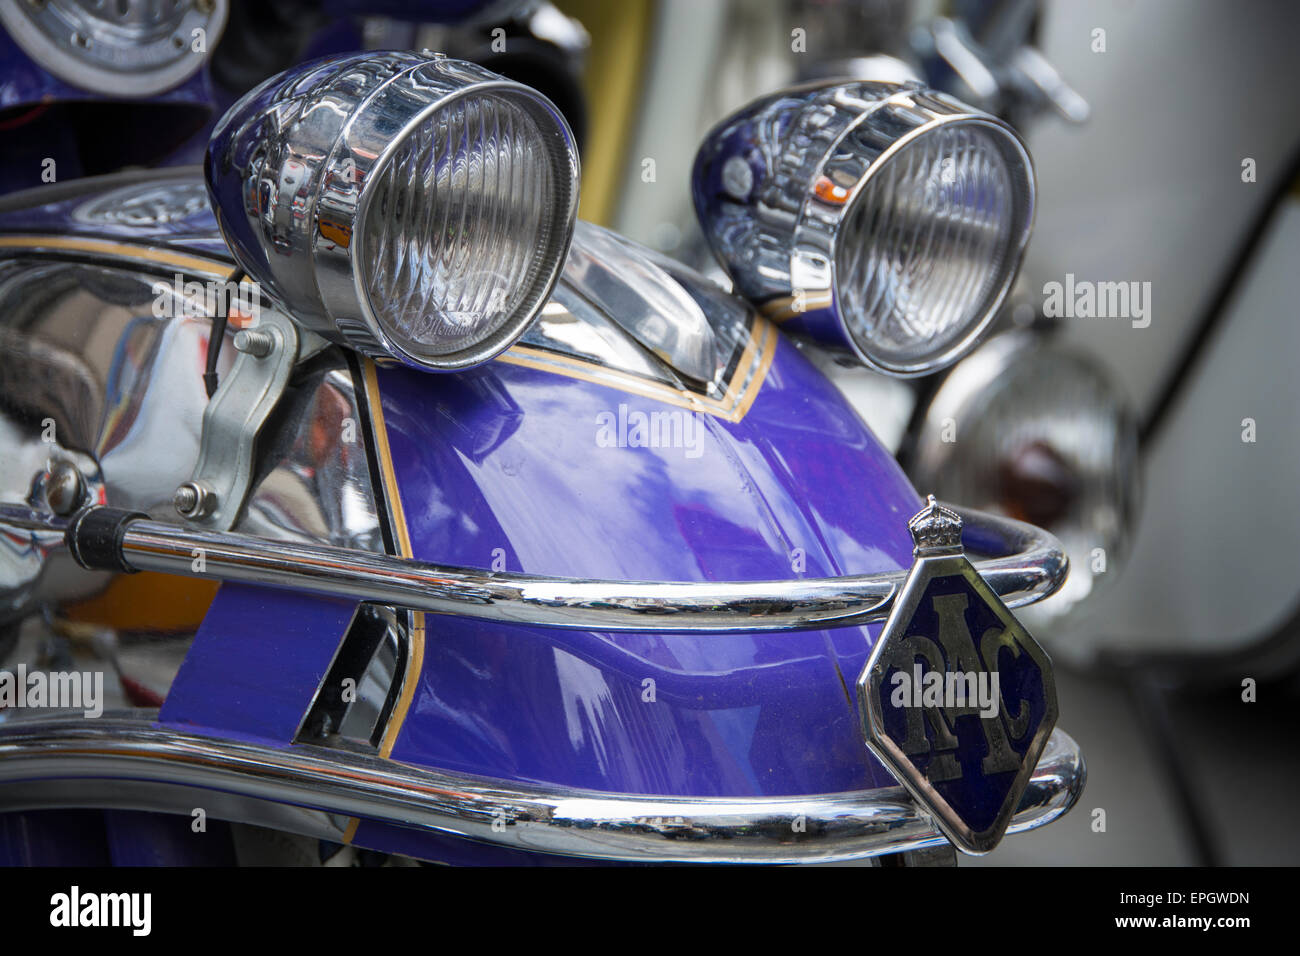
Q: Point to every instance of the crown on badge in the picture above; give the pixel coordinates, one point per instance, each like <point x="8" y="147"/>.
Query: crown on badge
<point x="935" y="530"/>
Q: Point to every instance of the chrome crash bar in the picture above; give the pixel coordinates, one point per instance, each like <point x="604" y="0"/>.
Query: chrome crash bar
<point x="129" y="762"/>
<point x="1025" y="564"/>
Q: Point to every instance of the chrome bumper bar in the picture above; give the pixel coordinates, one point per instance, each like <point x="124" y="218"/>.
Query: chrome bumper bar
<point x="129" y="762"/>
<point x="1026" y="564"/>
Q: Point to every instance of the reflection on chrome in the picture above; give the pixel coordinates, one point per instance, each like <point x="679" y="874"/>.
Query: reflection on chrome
<point x="1030" y="565"/>
<point x="70" y="762"/>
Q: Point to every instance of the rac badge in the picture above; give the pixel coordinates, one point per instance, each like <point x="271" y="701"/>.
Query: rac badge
<point x="957" y="699"/>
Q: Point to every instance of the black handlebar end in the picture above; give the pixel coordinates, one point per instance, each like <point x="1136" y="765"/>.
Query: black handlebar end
<point x="95" y="535"/>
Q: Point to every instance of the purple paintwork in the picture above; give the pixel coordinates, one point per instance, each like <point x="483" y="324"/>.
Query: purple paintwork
<point x="740" y="715"/>
<point x="799" y="472"/>
<point x="255" y="663"/>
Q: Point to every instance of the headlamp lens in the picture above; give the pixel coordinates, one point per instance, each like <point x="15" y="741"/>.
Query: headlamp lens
<point x="930" y="245"/>
<point x="463" y="226"/>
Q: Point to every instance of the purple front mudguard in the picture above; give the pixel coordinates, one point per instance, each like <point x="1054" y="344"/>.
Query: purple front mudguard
<point x="504" y="467"/>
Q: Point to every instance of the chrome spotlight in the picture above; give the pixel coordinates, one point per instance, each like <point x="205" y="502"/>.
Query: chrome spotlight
<point x="1027" y="429"/>
<point x="889" y="219"/>
<point x="416" y="208"/>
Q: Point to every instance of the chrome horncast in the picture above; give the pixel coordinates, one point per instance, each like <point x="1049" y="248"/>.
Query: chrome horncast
<point x="957" y="700"/>
<point x="637" y="290"/>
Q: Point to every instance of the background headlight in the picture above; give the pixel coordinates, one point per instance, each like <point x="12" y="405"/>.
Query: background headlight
<point x="127" y="48"/>
<point x="891" y="220"/>
<point x="414" y="207"/>
<point x="1029" y="430"/>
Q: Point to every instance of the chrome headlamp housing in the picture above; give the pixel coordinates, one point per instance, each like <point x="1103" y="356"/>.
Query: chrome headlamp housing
<point x="416" y="208"/>
<point x="887" y="218"/>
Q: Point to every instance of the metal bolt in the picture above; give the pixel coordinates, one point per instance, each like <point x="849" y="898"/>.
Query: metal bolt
<point x="255" y="342"/>
<point x="194" y="500"/>
<point x="64" y="488"/>
<point x="737" y="178"/>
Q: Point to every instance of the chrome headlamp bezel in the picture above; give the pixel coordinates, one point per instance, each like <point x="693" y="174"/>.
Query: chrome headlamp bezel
<point x="292" y="170"/>
<point x="775" y="185"/>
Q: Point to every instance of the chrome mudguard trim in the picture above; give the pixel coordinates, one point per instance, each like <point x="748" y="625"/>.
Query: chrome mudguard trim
<point x="127" y="761"/>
